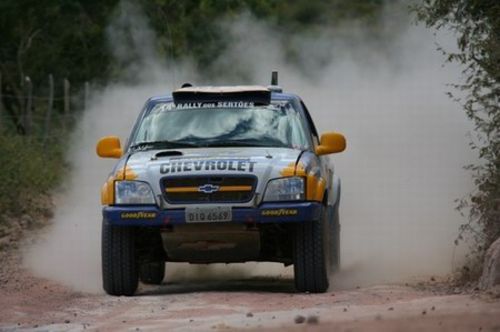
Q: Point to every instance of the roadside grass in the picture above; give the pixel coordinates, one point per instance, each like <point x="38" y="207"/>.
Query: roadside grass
<point x="29" y="170"/>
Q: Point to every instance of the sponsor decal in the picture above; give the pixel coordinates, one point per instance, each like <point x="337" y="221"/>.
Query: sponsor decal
<point x="279" y="212"/>
<point x="179" y="166"/>
<point x="212" y="106"/>
<point x="138" y="215"/>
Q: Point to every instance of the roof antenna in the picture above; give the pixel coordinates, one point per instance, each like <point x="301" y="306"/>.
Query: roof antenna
<point x="274" y="87"/>
<point x="186" y="85"/>
<point x="274" y="77"/>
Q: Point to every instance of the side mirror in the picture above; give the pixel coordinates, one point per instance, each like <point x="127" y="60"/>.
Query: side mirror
<point x="109" y="147"/>
<point x="331" y="143"/>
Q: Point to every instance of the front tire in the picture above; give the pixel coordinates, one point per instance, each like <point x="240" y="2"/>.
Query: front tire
<point x="119" y="262"/>
<point x="312" y="255"/>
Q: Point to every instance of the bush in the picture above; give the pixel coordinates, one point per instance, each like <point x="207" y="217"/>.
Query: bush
<point x="30" y="170"/>
<point x="477" y="27"/>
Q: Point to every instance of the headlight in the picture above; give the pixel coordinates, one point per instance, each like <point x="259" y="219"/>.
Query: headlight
<point x="285" y="189"/>
<point x="133" y="192"/>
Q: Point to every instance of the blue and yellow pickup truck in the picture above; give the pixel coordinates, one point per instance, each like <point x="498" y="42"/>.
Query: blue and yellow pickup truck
<point x="221" y="175"/>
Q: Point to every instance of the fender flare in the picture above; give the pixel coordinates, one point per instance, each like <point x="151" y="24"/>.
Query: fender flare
<point x="332" y="197"/>
<point x="335" y="194"/>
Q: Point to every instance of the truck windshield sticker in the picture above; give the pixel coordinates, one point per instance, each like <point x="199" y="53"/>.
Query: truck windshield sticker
<point x="165" y="107"/>
<point x="179" y="166"/>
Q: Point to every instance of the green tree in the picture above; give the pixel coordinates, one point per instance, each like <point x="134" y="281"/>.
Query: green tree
<point x="64" y="38"/>
<point x="477" y="26"/>
<point x="67" y="38"/>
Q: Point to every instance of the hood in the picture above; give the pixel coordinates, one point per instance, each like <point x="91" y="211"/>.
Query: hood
<point x="264" y="163"/>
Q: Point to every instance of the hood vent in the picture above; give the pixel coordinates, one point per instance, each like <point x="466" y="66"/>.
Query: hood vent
<point x="169" y="153"/>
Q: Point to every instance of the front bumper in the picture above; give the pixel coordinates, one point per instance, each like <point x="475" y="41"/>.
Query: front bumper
<point x="265" y="213"/>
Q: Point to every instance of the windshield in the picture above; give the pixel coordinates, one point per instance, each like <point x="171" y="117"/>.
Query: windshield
<point x="168" y="125"/>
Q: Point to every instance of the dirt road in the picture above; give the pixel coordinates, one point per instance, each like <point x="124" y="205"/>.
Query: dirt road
<point x="31" y="303"/>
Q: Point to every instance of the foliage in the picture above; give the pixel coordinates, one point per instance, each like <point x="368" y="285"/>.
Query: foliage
<point x="29" y="169"/>
<point x="67" y="38"/>
<point x="192" y="28"/>
<point x="477" y="25"/>
<point x="64" y="38"/>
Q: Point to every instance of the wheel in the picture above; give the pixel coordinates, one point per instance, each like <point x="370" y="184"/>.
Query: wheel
<point x="119" y="263"/>
<point x="312" y="255"/>
<point x="335" y="239"/>
<point x="152" y="273"/>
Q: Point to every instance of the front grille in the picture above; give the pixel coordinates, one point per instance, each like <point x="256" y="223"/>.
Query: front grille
<point x="208" y="189"/>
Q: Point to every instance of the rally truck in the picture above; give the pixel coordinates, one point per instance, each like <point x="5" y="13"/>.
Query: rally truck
<point x="221" y="175"/>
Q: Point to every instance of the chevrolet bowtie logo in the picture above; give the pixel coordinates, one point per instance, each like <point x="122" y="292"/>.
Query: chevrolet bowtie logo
<point x="208" y="188"/>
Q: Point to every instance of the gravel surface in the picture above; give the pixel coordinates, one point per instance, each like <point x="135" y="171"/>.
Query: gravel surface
<point x="32" y="303"/>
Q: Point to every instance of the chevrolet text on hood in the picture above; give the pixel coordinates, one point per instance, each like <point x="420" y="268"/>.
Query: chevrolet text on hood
<point x="221" y="175"/>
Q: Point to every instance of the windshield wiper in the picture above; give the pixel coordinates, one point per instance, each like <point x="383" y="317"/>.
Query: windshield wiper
<point x="243" y="143"/>
<point x="161" y="145"/>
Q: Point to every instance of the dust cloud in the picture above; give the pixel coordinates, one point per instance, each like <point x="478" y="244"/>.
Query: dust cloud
<point x="400" y="175"/>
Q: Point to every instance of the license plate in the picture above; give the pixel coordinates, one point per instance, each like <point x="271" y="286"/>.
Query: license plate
<point x="208" y="214"/>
